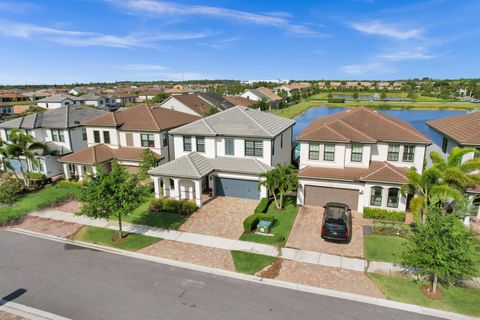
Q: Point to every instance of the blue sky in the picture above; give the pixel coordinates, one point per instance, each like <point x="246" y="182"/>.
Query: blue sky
<point x="69" y="41"/>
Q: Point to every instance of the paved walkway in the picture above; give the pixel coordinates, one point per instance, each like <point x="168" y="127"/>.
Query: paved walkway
<point x="305" y="256"/>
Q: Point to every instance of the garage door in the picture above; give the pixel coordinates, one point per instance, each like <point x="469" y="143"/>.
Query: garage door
<point x="237" y="188"/>
<point x="319" y="196"/>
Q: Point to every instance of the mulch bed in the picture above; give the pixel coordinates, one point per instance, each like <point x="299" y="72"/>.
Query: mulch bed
<point x="272" y="271"/>
<point x="426" y="289"/>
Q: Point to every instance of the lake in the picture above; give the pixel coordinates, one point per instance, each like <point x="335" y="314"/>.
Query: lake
<point x="417" y="118"/>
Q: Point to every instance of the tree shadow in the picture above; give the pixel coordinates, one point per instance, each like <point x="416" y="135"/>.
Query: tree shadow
<point x="12" y="296"/>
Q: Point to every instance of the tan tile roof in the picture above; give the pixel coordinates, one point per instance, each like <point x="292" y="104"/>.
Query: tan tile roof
<point x="297" y="85"/>
<point x="142" y="118"/>
<point x="463" y="129"/>
<point x="101" y="153"/>
<point x="269" y="93"/>
<point x="194" y="102"/>
<point x="377" y="172"/>
<point x="240" y="101"/>
<point x="361" y="125"/>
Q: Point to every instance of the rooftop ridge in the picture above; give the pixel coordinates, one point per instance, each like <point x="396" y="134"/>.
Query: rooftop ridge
<point x="244" y="111"/>
<point x="150" y="113"/>
<point x="192" y="164"/>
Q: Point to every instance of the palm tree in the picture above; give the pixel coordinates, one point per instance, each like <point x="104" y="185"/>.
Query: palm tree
<point x="20" y="146"/>
<point x="279" y="181"/>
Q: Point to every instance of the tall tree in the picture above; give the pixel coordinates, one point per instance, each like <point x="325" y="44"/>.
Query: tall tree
<point x="116" y="193"/>
<point x="22" y="146"/>
<point x="443" y="248"/>
<point x="148" y="162"/>
<point x="279" y="181"/>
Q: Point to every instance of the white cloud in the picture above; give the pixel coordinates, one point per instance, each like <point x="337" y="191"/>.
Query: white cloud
<point x="275" y="19"/>
<point x="84" y="39"/>
<point x="418" y="53"/>
<point x="148" y="72"/>
<point x="373" y="68"/>
<point x="387" y="30"/>
<point x="17" y="7"/>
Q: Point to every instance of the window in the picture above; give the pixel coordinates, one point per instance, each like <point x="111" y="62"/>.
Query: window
<point x="392" y="200"/>
<point x="376" y="197"/>
<point x="229" y="147"/>
<point x="393" y="152"/>
<point x="200" y="144"/>
<point x="164" y="139"/>
<point x="444" y="145"/>
<point x="187" y="143"/>
<point x="106" y="137"/>
<point x="57" y="135"/>
<point x="96" y="136"/>
<point x="408" y="153"/>
<point x="148" y="140"/>
<point x="357" y="152"/>
<point x="7" y="133"/>
<point x="329" y="152"/>
<point x="84" y="134"/>
<point x="253" y="148"/>
<point x="313" y="151"/>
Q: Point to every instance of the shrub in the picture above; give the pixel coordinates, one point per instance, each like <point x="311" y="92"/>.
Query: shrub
<point x="383" y="214"/>
<point x="173" y="206"/>
<point x="263" y="205"/>
<point x="156" y="205"/>
<point x="250" y="223"/>
<point x="336" y="100"/>
<point x="38" y="180"/>
<point x="187" y="206"/>
<point x="9" y="188"/>
<point x="391" y="229"/>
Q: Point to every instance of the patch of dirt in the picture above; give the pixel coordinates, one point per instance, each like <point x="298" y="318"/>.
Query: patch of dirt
<point x="67" y="205"/>
<point x="426" y="289"/>
<point x="51" y="227"/>
<point x="272" y="271"/>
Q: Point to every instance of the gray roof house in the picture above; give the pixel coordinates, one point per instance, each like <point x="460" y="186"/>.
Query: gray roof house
<point x="224" y="154"/>
<point x="59" y="128"/>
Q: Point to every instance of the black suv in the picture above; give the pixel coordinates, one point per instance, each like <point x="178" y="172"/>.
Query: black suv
<point x="337" y="222"/>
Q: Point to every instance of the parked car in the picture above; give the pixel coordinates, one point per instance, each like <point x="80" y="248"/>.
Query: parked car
<point x="337" y="222"/>
<point x="475" y="101"/>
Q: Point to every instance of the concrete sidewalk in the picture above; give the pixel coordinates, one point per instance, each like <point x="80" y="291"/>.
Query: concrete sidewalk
<point x="312" y="257"/>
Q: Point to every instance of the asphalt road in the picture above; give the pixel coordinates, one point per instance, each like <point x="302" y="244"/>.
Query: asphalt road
<point x="81" y="283"/>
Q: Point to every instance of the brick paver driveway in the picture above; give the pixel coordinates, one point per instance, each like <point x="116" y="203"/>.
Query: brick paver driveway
<point x="191" y="253"/>
<point x="221" y="217"/>
<point x="326" y="277"/>
<point x="307" y="228"/>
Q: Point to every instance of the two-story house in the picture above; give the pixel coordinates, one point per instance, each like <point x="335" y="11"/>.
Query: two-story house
<point x="359" y="157"/>
<point x="263" y="93"/>
<point x="123" y="135"/>
<point x="196" y="104"/>
<point x="224" y="155"/>
<point x="57" y="101"/>
<point x="59" y="128"/>
<point x="461" y="131"/>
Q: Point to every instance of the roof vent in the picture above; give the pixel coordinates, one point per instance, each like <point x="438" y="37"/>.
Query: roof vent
<point x="76" y="122"/>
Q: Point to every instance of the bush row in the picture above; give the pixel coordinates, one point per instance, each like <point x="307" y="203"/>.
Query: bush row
<point x="336" y="100"/>
<point x="391" y="229"/>
<point x="250" y="222"/>
<point x="263" y="205"/>
<point x="383" y="214"/>
<point x="173" y="206"/>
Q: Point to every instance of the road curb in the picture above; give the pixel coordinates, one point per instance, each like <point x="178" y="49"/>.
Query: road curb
<point x="239" y="276"/>
<point x="28" y="312"/>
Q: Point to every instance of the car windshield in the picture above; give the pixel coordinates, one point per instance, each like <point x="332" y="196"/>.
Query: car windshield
<point x="335" y="215"/>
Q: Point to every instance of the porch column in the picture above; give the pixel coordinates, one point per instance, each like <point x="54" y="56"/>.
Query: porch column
<point x="94" y="170"/>
<point x="176" y="186"/>
<point x="198" y="192"/>
<point x="166" y="187"/>
<point x="66" y="171"/>
<point x="156" y="184"/>
<point x="80" y="172"/>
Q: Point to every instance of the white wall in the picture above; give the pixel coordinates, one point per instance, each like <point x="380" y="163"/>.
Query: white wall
<point x="137" y="140"/>
<point x="402" y="204"/>
<point x="55" y="105"/>
<point x="283" y="155"/>
<point x="173" y="104"/>
<point x="339" y="159"/>
<point x="47" y="136"/>
<point x="114" y="139"/>
<point x="76" y="137"/>
<point x="380" y="153"/>
<point x="250" y="95"/>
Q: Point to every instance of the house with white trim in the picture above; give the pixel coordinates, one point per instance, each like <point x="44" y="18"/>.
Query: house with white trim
<point x="359" y="157"/>
<point x="57" y="101"/>
<point x="224" y="155"/>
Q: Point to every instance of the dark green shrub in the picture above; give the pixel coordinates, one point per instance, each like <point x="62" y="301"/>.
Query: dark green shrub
<point x="9" y="189"/>
<point x="170" y="205"/>
<point x="173" y="206"/>
<point x="156" y="205"/>
<point x="336" y="100"/>
<point x="187" y="206"/>
<point x="250" y="223"/>
<point x="383" y="214"/>
<point x="263" y="205"/>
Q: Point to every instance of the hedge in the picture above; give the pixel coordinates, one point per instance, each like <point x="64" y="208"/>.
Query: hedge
<point x="173" y="206"/>
<point x="250" y="222"/>
<point x="263" y="205"/>
<point x="383" y="214"/>
<point x="336" y="100"/>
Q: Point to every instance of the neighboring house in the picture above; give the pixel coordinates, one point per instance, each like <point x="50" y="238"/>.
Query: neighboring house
<point x="57" y="101"/>
<point x="33" y="96"/>
<point x="461" y="131"/>
<point x="77" y="91"/>
<point x="359" y="157"/>
<point x="149" y="95"/>
<point x="98" y="101"/>
<point x="124" y="135"/>
<point x="6" y="109"/>
<point x="59" y="128"/>
<point x="123" y="98"/>
<point x="224" y="155"/>
<point x="12" y="97"/>
<point x="263" y="93"/>
<point x="216" y="100"/>
<point x="293" y="86"/>
<point x="188" y="103"/>
<point x="240" y="101"/>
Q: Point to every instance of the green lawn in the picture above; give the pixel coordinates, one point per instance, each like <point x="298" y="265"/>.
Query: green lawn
<point x="250" y="263"/>
<point x="383" y="248"/>
<point x="163" y="220"/>
<point x="454" y="299"/>
<point x="283" y="225"/>
<point x="39" y="199"/>
<point x="132" y="241"/>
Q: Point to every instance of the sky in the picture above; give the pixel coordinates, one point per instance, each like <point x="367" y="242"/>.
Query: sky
<point x="81" y="41"/>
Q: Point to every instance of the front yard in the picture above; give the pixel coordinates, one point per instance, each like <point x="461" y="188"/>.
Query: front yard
<point x="282" y="227"/>
<point x="39" y="199"/>
<point x="454" y="299"/>
<point x="250" y="263"/>
<point x="383" y="248"/>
